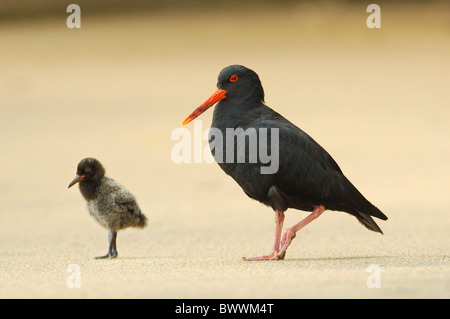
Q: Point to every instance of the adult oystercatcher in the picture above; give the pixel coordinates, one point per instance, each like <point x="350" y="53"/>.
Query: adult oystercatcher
<point x="111" y="205"/>
<point x="307" y="177"/>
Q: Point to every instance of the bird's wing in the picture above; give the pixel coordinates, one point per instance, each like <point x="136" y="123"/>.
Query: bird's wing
<point x="306" y="169"/>
<point x="305" y="166"/>
<point x="125" y="205"/>
<point x="126" y="201"/>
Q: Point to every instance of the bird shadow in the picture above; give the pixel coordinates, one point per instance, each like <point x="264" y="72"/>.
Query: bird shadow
<point x="136" y="258"/>
<point x="125" y="258"/>
<point x="338" y="259"/>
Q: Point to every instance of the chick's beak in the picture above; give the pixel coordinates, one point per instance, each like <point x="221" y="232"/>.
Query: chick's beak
<point x="78" y="178"/>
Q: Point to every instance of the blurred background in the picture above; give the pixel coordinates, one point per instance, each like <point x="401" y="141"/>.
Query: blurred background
<point x="116" y="88"/>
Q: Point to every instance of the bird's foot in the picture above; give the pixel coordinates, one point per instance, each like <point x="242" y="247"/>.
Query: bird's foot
<point x="107" y="256"/>
<point x="274" y="255"/>
<point x="288" y="236"/>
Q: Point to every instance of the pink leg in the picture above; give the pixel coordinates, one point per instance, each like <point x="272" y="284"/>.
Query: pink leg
<point x="279" y="218"/>
<point x="289" y="235"/>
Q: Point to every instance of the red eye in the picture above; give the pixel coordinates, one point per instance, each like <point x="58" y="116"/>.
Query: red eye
<point x="234" y="78"/>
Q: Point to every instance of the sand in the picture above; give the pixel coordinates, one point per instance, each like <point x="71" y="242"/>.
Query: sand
<point x="117" y="88"/>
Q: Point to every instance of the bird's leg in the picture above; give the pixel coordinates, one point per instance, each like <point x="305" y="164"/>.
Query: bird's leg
<point x="289" y="235"/>
<point x="279" y="219"/>
<point x="112" y="250"/>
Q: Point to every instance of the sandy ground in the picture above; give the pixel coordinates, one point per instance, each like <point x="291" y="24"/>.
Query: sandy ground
<point x="377" y="100"/>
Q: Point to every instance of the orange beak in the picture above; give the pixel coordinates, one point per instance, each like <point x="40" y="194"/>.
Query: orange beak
<point x="216" y="97"/>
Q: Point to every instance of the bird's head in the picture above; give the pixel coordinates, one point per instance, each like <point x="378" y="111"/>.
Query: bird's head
<point x="88" y="170"/>
<point x="235" y="82"/>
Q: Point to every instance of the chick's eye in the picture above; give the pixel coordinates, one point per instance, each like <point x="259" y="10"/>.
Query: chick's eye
<point x="234" y="78"/>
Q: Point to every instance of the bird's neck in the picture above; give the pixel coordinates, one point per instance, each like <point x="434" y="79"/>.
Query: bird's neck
<point x="229" y="113"/>
<point x="89" y="189"/>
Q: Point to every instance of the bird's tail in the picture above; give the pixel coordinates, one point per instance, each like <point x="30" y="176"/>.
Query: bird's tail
<point x="366" y="219"/>
<point x="139" y="219"/>
<point x="362" y="209"/>
<point x="142" y="221"/>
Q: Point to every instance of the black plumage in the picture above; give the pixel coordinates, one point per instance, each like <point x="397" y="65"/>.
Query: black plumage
<point x="307" y="177"/>
<point x="107" y="201"/>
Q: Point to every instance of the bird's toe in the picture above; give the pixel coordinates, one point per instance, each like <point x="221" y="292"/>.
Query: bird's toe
<point x="107" y="256"/>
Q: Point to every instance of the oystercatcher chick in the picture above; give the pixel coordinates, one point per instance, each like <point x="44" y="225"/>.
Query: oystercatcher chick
<point x="107" y="201"/>
<point x="305" y="176"/>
